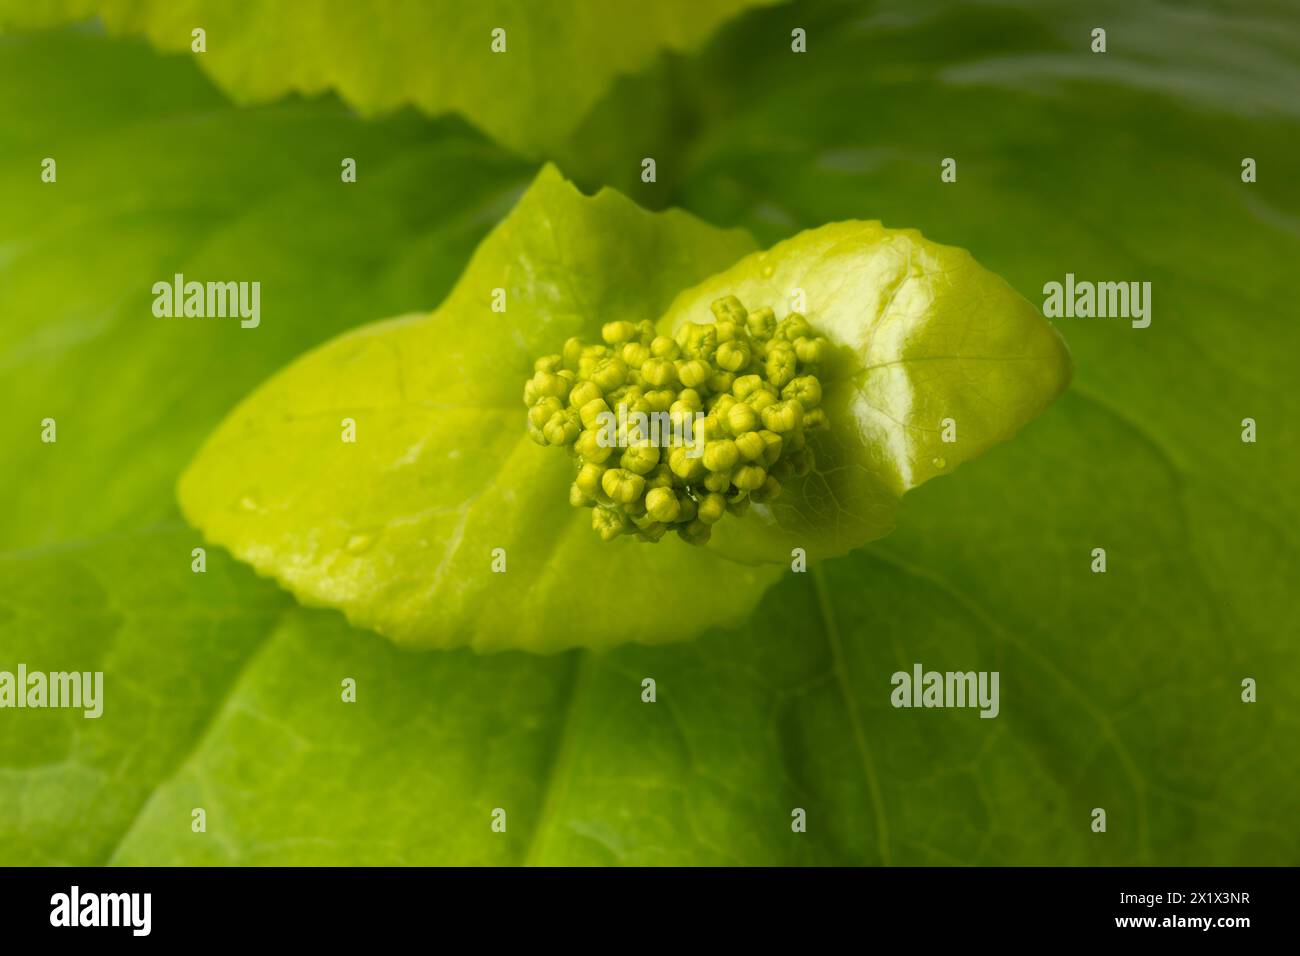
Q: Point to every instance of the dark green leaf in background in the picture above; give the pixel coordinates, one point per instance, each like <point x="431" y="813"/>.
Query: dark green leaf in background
<point x="1119" y="690"/>
<point x="527" y="86"/>
<point x="158" y="174"/>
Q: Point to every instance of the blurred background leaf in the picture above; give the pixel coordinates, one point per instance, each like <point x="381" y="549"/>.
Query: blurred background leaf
<point x="157" y="175"/>
<point x="557" y="57"/>
<point x="1119" y="690"/>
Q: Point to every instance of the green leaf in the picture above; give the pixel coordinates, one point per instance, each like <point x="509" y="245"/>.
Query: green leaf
<point x="791" y="711"/>
<point x="1118" y="690"/>
<point x="158" y="175"/>
<point x="170" y="643"/>
<point x="404" y="526"/>
<point x="438" y="55"/>
<point x="935" y="360"/>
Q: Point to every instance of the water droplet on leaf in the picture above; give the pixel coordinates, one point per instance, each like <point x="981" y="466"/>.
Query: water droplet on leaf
<point x="360" y="543"/>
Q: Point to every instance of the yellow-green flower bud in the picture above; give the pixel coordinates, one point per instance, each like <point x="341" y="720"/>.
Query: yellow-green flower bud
<point x="697" y="341"/>
<point x="549" y="385"/>
<point x="610" y="373"/>
<point x="684" y="465"/>
<point x="718" y="481"/>
<point x="572" y="352"/>
<point x="742" y="368"/>
<point x="793" y="326"/>
<point x="633" y="354"/>
<point x="741" y="418"/>
<point x="664" y="347"/>
<point x="662" y="505"/>
<point x="811" y="351"/>
<point x="774" y="446"/>
<point x="589" y="447"/>
<point x="780" y="366"/>
<point x="694" y="372"/>
<point x="681" y="417"/>
<point x="691" y="399"/>
<point x="720" y="455"/>
<point x="659" y="372"/>
<point x="616" y="333"/>
<point x="660" y="477"/>
<point x="805" y="390"/>
<point x="711" y="507"/>
<point x="750" y="445"/>
<point x="588" y="479"/>
<point x="720" y="381"/>
<point x="608" y="523"/>
<point x="761" y="323"/>
<point x="660" y="399"/>
<point x="541" y="413"/>
<point x="631" y="433"/>
<point x="622" y="486"/>
<point x="719" y="405"/>
<point x="783" y="417"/>
<point x="584" y="392"/>
<point x="562" y="428"/>
<point x="591" y="413"/>
<point x="728" y="309"/>
<point x="749" y="477"/>
<point x="745" y="386"/>
<point x="732" y="356"/>
<point x="625" y="395"/>
<point x="640" y="459"/>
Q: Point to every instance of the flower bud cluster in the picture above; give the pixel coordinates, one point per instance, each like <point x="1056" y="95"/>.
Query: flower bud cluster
<point x="740" y="394"/>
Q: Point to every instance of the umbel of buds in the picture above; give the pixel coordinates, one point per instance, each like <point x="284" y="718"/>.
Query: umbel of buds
<point x="736" y="396"/>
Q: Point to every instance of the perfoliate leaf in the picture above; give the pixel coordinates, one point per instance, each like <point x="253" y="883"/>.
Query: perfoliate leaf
<point x="389" y="474"/>
<point x="443" y="524"/>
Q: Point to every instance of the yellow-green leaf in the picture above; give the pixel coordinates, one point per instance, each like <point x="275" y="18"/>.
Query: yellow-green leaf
<point x="407" y="528"/>
<point x="935" y="359"/>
